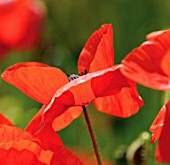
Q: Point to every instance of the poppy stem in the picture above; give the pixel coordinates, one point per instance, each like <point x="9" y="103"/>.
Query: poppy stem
<point x="95" y="147"/>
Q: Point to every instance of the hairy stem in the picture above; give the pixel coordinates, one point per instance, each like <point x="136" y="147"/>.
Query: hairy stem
<point x="96" y="150"/>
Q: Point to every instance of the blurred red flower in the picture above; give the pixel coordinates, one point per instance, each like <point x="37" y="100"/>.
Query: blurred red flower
<point x="104" y="84"/>
<point x="21" y="24"/>
<point x="148" y="64"/>
<point x="24" y="147"/>
<point x="160" y="129"/>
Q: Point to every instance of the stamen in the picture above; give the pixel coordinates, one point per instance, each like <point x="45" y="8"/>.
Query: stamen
<point x="84" y="72"/>
<point x="73" y="77"/>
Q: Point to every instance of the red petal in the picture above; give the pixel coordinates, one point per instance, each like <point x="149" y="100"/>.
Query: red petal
<point x="62" y="156"/>
<point x="166" y="63"/>
<point x="45" y="133"/>
<point x="85" y="89"/>
<point x="20" y="147"/>
<point x="160" y="129"/>
<point x="146" y="60"/>
<point x="18" y="157"/>
<point x="66" y="118"/>
<point x="38" y="81"/>
<point x="157" y="125"/>
<point x="8" y="133"/>
<point x="123" y="104"/>
<point x="4" y="120"/>
<point x="59" y="123"/>
<point x="24" y="152"/>
<point x="98" y="52"/>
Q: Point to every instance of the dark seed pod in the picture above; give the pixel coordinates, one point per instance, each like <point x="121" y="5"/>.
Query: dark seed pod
<point x="139" y="151"/>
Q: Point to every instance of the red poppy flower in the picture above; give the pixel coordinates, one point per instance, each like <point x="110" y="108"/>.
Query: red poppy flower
<point x="160" y="129"/>
<point x="22" y="147"/>
<point x="104" y="84"/>
<point x="148" y="64"/>
<point x="21" y="23"/>
<point x="152" y="69"/>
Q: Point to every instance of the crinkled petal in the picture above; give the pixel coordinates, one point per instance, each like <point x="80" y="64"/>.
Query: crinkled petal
<point x="18" y="143"/>
<point x="143" y="64"/>
<point x="10" y="133"/>
<point x="160" y="129"/>
<point x="24" y="152"/>
<point x="98" y="52"/>
<point x="66" y="118"/>
<point x="45" y="147"/>
<point x="36" y="80"/>
<point x="5" y="121"/>
<point x="86" y="89"/>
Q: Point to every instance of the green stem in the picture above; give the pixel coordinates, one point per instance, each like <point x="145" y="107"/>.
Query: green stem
<point x="96" y="150"/>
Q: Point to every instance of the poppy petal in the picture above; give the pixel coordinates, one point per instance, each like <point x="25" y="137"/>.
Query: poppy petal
<point x="123" y="104"/>
<point x="36" y="80"/>
<point x="18" y="157"/>
<point x="44" y="133"/>
<point x="86" y="89"/>
<point x="99" y="46"/>
<point x="160" y="130"/>
<point x="157" y="125"/>
<point x="166" y="63"/>
<point x="10" y="133"/>
<point x="5" y="121"/>
<point x="24" y="152"/>
<point x="143" y="64"/>
<point x="66" y="118"/>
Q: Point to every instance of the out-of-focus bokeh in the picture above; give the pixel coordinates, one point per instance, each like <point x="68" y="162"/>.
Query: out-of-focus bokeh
<point x="66" y="27"/>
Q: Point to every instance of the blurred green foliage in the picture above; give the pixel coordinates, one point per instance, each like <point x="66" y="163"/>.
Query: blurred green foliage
<point x="68" y="25"/>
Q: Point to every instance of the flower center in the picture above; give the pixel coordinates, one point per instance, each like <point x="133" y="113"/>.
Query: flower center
<point x="73" y="77"/>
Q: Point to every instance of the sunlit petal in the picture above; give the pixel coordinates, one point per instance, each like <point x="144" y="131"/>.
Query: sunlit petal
<point x="36" y="80"/>
<point x="143" y="64"/>
<point x="98" y="52"/>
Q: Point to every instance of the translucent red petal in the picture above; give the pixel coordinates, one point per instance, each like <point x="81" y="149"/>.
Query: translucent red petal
<point x="160" y="129"/>
<point x="143" y="64"/>
<point x="66" y="118"/>
<point x="36" y="80"/>
<point x="86" y="89"/>
<point x="123" y="104"/>
<point x="98" y="52"/>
